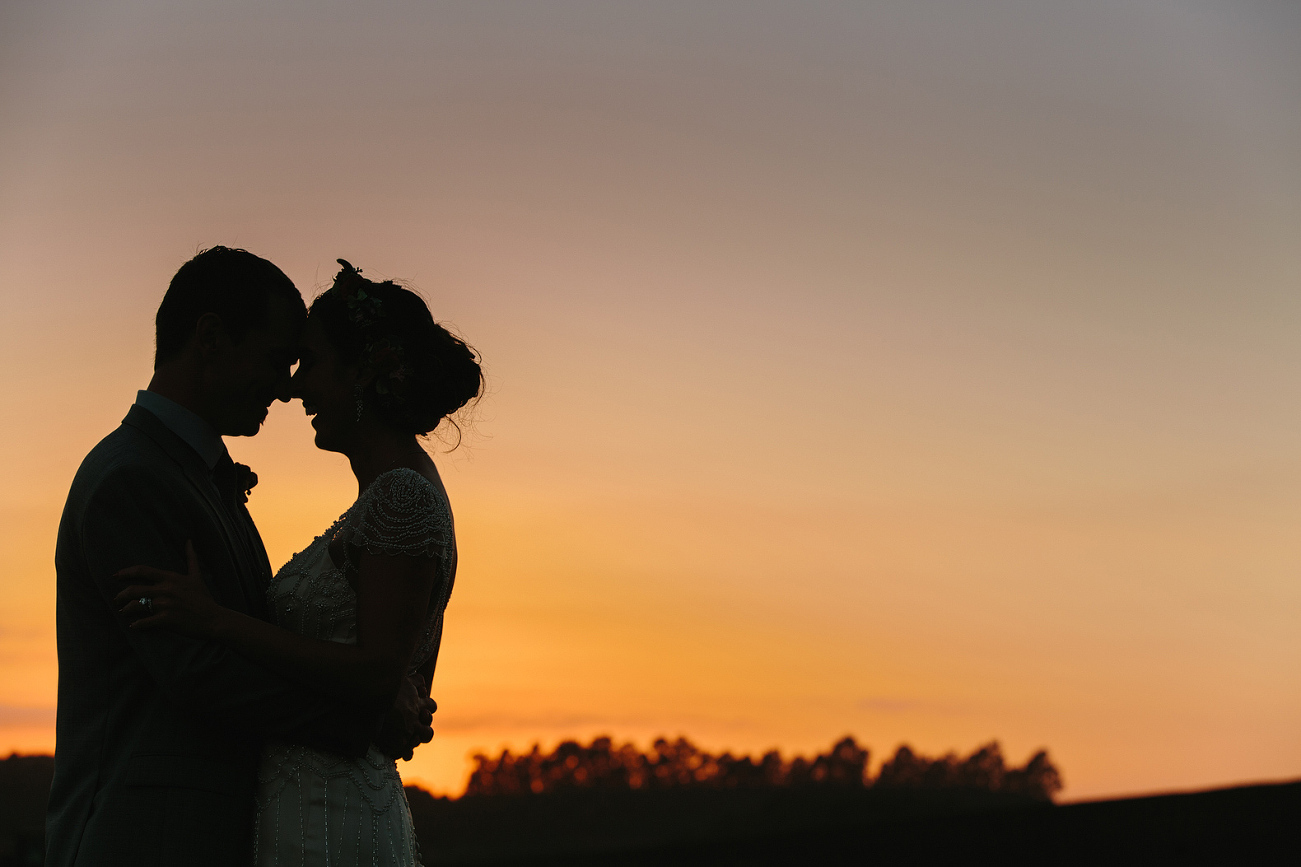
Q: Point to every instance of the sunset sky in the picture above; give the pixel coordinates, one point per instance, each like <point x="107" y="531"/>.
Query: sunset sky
<point x="923" y="371"/>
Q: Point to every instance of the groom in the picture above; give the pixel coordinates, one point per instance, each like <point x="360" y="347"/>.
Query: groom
<point x="158" y="734"/>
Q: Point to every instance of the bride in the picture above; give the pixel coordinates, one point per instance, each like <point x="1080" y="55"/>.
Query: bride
<point x="361" y="608"/>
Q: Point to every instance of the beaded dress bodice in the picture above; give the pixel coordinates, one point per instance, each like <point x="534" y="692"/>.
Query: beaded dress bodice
<point x="401" y="512"/>
<point x="331" y="809"/>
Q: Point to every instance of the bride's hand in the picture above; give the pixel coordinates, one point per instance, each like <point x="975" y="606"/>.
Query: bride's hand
<point x="157" y="597"/>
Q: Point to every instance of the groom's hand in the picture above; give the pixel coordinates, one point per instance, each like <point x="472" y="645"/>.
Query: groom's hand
<point x="409" y="723"/>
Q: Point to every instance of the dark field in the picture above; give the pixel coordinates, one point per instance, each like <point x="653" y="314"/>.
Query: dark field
<point x="1247" y="825"/>
<point x="822" y="826"/>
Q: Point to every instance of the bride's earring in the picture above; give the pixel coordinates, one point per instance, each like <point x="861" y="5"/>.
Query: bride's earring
<point x="357" y="393"/>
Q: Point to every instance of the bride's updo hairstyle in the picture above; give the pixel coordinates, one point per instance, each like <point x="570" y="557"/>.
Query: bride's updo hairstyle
<point x="423" y="372"/>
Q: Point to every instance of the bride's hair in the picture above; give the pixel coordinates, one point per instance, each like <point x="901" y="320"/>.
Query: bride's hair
<point x="423" y="372"/>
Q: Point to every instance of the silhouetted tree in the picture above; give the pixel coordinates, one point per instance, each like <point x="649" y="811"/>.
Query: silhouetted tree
<point x="1038" y="778"/>
<point x="845" y="765"/>
<point x="906" y="770"/>
<point x="681" y="764"/>
<point x="984" y="769"/>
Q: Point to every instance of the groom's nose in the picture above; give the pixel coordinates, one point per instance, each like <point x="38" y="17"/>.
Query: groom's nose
<point x="294" y="390"/>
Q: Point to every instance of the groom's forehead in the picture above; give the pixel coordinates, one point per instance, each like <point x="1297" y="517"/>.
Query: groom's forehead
<point x="281" y="325"/>
<point x="283" y="320"/>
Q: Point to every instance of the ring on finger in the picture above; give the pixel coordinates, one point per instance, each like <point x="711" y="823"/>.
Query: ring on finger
<point x="147" y="604"/>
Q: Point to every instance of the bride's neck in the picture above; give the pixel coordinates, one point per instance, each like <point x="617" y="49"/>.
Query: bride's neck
<point x="380" y="450"/>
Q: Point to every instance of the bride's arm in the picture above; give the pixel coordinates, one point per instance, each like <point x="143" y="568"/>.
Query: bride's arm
<point x="392" y="598"/>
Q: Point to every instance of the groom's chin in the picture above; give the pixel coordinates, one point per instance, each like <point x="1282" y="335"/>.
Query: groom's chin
<point x="247" y="427"/>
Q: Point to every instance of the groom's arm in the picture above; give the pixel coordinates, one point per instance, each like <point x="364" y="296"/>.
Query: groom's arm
<point x="132" y="519"/>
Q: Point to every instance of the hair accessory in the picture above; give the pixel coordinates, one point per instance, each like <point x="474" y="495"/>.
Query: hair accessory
<point x="381" y="353"/>
<point x="363" y="308"/>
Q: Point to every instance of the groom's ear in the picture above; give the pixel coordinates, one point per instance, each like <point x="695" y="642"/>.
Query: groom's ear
<point x="210" y="334"/>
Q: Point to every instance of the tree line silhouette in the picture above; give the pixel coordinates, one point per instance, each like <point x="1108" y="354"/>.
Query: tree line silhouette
<point x="681" y="764"/>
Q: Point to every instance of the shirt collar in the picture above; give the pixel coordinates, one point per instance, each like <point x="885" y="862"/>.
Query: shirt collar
<point x="194" y="431"/>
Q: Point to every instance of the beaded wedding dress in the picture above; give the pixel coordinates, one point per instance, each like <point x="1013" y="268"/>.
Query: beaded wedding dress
<point x="314" y="808"/>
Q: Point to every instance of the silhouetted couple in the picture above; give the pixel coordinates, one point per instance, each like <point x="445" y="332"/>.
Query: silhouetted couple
<point x="210" y="712"/>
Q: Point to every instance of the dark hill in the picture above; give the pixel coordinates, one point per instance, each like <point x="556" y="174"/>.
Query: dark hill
<point x="1247" y="825"/>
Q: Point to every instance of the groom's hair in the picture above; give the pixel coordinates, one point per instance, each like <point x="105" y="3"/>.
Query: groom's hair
<point x="234" y="284"/>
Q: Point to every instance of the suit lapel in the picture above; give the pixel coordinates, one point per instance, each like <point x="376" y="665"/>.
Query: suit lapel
<point x="260" y="557"/>
<point x="247" y="568"/>
<point x="259" y="564"/>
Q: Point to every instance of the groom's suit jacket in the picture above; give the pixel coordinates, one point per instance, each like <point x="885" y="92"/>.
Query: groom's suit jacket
<point x="158" y="734"/>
